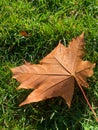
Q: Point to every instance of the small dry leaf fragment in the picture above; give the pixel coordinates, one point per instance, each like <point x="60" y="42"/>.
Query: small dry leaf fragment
<point x="24" y="33"/>
<point x="56" y="74"/>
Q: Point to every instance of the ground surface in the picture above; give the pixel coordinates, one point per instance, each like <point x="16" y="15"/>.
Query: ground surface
<point x="46" y="22"/>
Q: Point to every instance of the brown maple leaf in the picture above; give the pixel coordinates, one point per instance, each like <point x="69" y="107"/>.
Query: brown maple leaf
<point x="24" y="33"/>
<point x="56" y="74"/>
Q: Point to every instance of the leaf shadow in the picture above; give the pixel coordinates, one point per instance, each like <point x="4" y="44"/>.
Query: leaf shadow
<point x="53" y="114"/>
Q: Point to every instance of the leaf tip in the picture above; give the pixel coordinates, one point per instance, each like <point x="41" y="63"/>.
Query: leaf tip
<point x="23" y="103"/>
<point x="27" y="63"/>
<point x="60" y="42"/>
<point x="17" y="88"/>
<point x="20" y="105"/>
<point x="68" y="105"/>
<point x="94" y="64"/>
<point x="82" y="35"/>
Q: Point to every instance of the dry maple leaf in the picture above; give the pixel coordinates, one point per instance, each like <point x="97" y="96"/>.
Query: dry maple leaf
<point x="24" y="33"/>
<point x="56" y="74"/>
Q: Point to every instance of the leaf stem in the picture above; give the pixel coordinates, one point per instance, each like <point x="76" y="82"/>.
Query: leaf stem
<point x="88" y="102"/>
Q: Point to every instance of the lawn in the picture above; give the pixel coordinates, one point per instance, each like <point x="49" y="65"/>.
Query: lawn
<point x="46" y="22"/>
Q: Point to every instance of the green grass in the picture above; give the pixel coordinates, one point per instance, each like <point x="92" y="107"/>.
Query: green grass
<point x="47" y="22"/>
